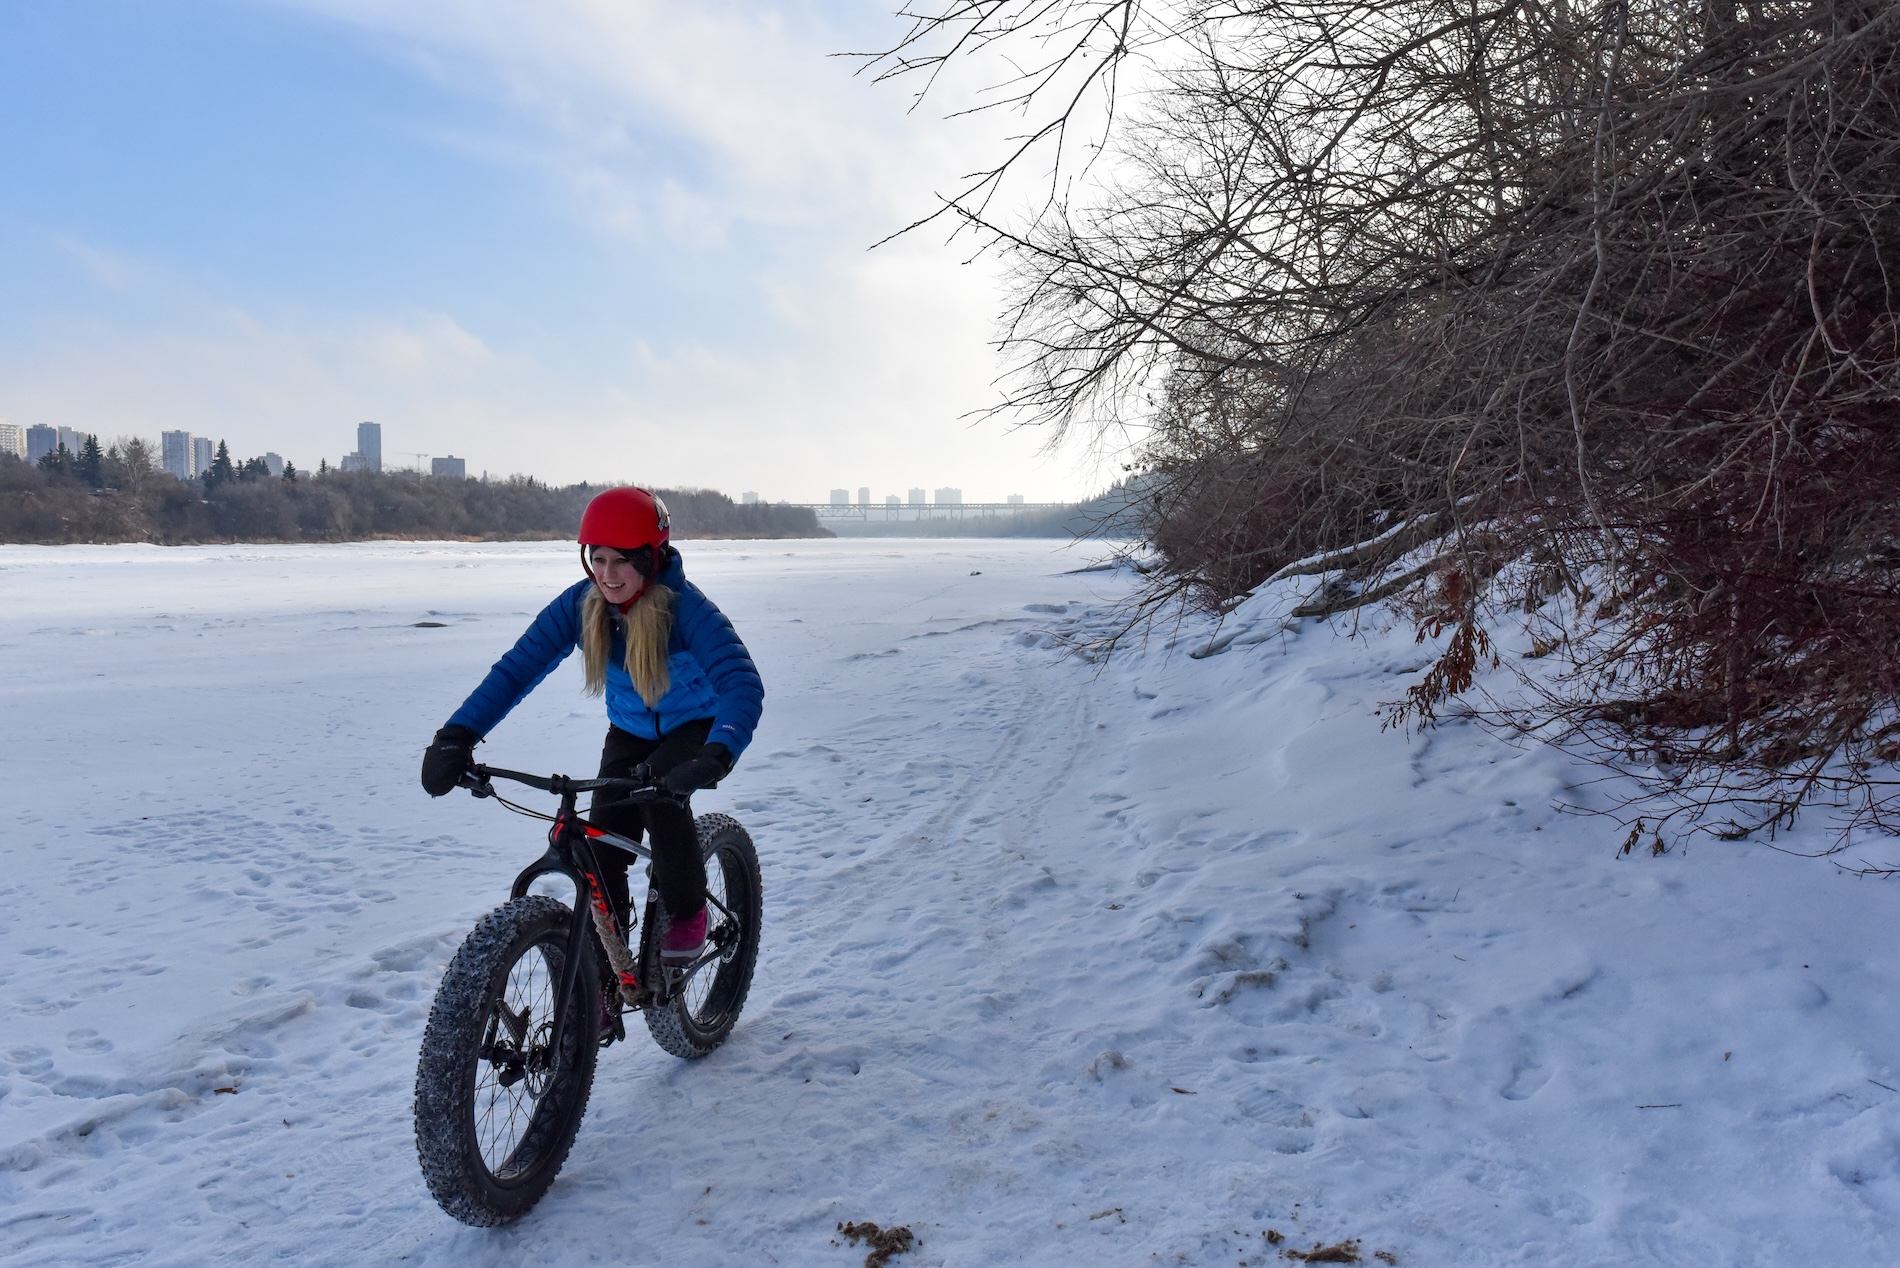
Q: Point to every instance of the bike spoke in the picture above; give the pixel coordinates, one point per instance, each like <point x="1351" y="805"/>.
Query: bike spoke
<point x="512" y="1079"/>
<point x="696" y="989"/>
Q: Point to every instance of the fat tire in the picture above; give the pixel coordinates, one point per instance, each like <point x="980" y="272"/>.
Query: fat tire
<point x="447" y="1143"/>
<point x="725" y="845"/>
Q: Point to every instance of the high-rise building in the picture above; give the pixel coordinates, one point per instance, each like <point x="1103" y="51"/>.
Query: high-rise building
<point x="203" y="453"/>
<point x="175" y="454"/>
<point x="449" y="468"/>
<point x="893" y="500"/>
<point x="73" y="439"/>
<point x="41" y="441"/>
<point x="1014" y="499"/>
<point x="916" y="497"/>
<point x="749" y="499"/>
<point x="841" y="497"/>
<point x="864" y="495"/>
<point x="13" y="439"/>
<point x="274" y="463"/>
<point x="369" y="444"/>
<point x="352" y="462"/>
<point x="949" y="497"/>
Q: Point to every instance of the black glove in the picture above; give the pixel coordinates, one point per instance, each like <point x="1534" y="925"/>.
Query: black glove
<point x="711" y="764"/>
<point x="447" y="759"/>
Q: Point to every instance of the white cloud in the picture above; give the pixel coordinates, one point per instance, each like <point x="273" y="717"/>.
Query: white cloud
<point x="677" y="121"/>
<point x="745" y="98"/>
<point x="107" y="269"/>
<point x="869" y="386"/>
<point x="666" y="126"/>
<point x="434" y="348"/>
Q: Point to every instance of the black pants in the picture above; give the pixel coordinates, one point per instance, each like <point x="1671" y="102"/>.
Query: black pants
<point x="678" y="871"/>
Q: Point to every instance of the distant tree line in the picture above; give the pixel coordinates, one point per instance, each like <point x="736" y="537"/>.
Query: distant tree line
<point x="116" y="494"/>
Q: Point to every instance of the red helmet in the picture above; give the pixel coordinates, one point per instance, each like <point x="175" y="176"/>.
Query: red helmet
<point x="631" y="521"/>
<point x="626" y="519"/>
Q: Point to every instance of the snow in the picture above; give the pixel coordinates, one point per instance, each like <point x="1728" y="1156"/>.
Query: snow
<point x="1063" y="962"/>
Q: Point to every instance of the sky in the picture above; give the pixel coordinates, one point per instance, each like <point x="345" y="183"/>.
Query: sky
<point x="578" y="239"/>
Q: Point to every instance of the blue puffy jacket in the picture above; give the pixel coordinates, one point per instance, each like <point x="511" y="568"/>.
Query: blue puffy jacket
<point x="712" y="674"/>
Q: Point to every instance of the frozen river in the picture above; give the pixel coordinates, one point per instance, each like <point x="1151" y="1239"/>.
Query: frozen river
<point x="1061" y="964"/>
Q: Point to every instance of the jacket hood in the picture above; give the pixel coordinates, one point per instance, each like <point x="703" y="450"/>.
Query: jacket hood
<point x="672" y="575"/>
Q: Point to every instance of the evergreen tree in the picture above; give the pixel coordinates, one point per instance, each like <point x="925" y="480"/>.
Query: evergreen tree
<point x="221" y="471"/>
<point x="290" y="472"/>
<point x="90" y="465"/>
<point x="127" y="465"/>
<point x="58" y="462"/>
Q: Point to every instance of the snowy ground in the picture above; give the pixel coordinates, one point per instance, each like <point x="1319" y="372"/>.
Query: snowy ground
<point x="1060" y="965"/>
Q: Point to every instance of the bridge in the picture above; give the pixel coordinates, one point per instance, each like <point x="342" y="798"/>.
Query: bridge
<point x="911" y="512"/>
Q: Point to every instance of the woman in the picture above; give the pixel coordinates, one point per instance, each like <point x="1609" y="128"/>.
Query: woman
<point x="682" y="694"/>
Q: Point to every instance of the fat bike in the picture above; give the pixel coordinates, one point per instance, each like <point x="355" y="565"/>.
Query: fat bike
<point x="521" y="1017"/>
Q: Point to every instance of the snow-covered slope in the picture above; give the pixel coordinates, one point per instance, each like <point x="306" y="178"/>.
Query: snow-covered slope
<point x="1063" y="963"/>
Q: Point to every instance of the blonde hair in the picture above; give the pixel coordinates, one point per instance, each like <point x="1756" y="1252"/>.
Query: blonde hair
<point x="649" y="624"/>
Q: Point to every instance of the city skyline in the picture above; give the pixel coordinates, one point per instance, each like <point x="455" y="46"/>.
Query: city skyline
<point x="187" y="455"/>
<point x="424" y="462"/>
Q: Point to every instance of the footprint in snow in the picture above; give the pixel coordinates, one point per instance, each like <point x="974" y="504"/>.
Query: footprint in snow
<point x="88" y="1041"/>
<point x="1528" y="1078"/>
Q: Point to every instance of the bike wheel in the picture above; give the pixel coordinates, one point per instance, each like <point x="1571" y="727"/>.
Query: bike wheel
<point x="702" y="1014"/>
<point x="496" y="1108"/>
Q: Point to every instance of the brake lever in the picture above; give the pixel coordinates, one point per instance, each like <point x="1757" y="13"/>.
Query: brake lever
<point x="477" y="782"/>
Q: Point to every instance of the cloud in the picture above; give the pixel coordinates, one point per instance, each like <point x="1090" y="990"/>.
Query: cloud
<point x="713" y="153"/>
<point x="434" y="348"/>
<point x="853" y="396"/>
<point x="743" y="105"/>
<point x="255" y="382"/>
<point x="678" y="123"/>
<point x="108" y="269"/>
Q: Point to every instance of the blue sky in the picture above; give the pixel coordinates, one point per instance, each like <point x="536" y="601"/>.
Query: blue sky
<point x="575" y="238"/>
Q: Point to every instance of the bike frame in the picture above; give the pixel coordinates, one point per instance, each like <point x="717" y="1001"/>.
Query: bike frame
<point x="571" y="853"/>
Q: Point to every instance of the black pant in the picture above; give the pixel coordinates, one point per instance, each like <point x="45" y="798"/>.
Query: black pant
<point x="678" y="871"/>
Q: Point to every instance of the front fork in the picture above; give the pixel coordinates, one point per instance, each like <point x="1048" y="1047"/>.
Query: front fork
<point x="570" y="854"/>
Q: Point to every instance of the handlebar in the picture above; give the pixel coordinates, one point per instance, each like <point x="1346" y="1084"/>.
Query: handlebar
<point x="638" y="791"/>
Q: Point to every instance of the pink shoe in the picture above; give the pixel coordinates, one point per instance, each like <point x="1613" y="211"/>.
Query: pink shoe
<point x="685" y="939"/>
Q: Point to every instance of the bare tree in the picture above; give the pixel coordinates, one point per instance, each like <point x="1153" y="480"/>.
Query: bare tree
<point x="1576" y="311"/>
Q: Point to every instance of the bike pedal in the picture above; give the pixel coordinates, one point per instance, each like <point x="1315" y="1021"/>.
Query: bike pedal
<point x="614" y="1033"/>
